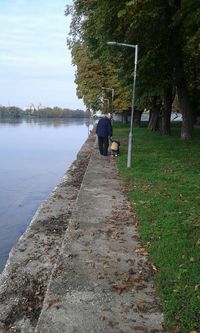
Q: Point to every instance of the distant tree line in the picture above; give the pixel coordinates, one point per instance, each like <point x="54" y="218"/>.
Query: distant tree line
<point x="56" y="112"/>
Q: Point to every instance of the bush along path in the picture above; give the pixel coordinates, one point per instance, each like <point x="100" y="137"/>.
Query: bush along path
<point x="23" y="282"/>
<point x="163" y="186"/>
<point x="102" y="280"/>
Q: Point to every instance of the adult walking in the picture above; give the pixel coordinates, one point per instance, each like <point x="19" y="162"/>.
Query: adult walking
<point x="104" y="131"/>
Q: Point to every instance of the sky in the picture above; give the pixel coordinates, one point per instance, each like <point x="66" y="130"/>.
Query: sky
<point x="35" y="63"/>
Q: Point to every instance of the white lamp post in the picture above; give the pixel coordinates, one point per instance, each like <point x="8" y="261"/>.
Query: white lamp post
<point x="113" y="94"/>
<point x="130" y="137"/>
<point x="106" y="99"/>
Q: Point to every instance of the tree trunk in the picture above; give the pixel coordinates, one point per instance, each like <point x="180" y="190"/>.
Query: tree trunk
<point x="187" y="123"/>
<point x="137" y="118"/>
<point x="182" y="92"/>
<point x="125" y="117"/>
<point x="183" y="99"/>
<point x="154" y="115"/>
<point x="166" y="112"/>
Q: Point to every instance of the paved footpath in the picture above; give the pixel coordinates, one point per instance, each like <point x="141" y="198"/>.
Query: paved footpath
<point x="102" y="281"/>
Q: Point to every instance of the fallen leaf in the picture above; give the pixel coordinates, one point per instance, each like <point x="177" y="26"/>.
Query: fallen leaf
<point x="122" y="285"/>
<point x="125" y="308"/>
<point x="131" y="262"/>
<point x="142" y="202"/>
<point x="115" y="236"/>
<point x="106" y="265"/>
<point x="141" y="250"/>
<point x="131" y="271"/>
<point x="76" y="226"/>
<point x="53" y="302"/>
<point x="99" y="276"/>
<point x="140" y="301"/>
<point x="192" y="259"/>
<point x="110" y="323"/>
<point x="140" y="328"/>
<point x="153" y="267"/>
<point x="124" y="249"/>
<point x="111" y="226"/>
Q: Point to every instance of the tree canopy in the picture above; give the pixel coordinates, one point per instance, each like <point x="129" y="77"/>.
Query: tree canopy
<point x="168" y="35"/>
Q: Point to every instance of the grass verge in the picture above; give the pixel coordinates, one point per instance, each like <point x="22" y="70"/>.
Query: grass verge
<point x="164" y="189"/>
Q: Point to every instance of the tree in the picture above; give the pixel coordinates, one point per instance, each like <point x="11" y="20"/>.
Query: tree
<point x="165" y="30"/>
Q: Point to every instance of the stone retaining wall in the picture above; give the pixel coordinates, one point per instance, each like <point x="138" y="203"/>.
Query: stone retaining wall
<point x="24" y="280"/>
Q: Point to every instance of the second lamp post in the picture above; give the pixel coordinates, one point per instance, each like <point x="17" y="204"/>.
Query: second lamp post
<point x="113" y="94"/>
<point x="130" y="137"/>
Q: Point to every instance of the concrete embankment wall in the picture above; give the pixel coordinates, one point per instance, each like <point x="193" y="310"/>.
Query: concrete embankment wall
<point x="24" y="280"/>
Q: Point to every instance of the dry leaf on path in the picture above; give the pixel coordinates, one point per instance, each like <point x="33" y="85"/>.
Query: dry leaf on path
<point x="53" y="302"/>
<point x="99" y="276"/>
<point x="153" y="266"/>
<point x="140" y="328"/>
<point x="122" y="285"/>
<point x="124" y="249"/>
<point x="142" y="250"/>
<point x="111" y="226"/>
<point x="115" y="236"/>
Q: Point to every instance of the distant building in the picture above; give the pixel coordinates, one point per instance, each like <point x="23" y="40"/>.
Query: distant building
<point x="34" y="107"/>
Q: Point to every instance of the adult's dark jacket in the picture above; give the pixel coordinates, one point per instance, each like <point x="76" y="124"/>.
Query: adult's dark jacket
<point x="104" y="127"/>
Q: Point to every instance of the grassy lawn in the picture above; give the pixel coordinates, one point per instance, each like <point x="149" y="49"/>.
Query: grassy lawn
<point x="164" y="189"/>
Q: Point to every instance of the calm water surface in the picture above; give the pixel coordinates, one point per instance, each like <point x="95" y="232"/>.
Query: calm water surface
<point x="33" y="158"/>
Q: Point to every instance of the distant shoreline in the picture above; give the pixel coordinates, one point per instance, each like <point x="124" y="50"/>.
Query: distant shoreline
<point x="44" y="113"/>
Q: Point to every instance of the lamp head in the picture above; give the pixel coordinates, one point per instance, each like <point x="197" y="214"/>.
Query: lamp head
<point x="112" y="43"/>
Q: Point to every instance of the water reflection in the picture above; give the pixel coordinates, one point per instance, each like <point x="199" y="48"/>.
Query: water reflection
<point x="34" y="154"/>
<point x="41" y="121"/>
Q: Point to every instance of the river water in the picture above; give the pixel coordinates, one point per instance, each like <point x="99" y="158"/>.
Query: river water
<point x="34" y="155"/>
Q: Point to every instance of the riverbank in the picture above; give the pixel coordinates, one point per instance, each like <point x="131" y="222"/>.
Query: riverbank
<point x="24" y="280"/>
<point x="94" y="276"/>
<point x="35" y="154"/>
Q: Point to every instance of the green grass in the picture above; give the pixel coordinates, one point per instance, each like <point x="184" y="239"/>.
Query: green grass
<point x="164" y="189"/>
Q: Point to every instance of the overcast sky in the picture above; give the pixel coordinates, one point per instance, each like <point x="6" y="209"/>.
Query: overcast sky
<point x="35" y="64"/>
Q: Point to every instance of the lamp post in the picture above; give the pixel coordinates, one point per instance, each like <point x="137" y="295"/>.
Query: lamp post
<point x="130" y="137"/>
<point x="113" y="94"/>
<point x="106" y="99"/>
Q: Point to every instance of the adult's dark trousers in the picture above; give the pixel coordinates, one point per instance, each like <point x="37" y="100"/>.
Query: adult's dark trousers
<point x="103" y="145"/>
